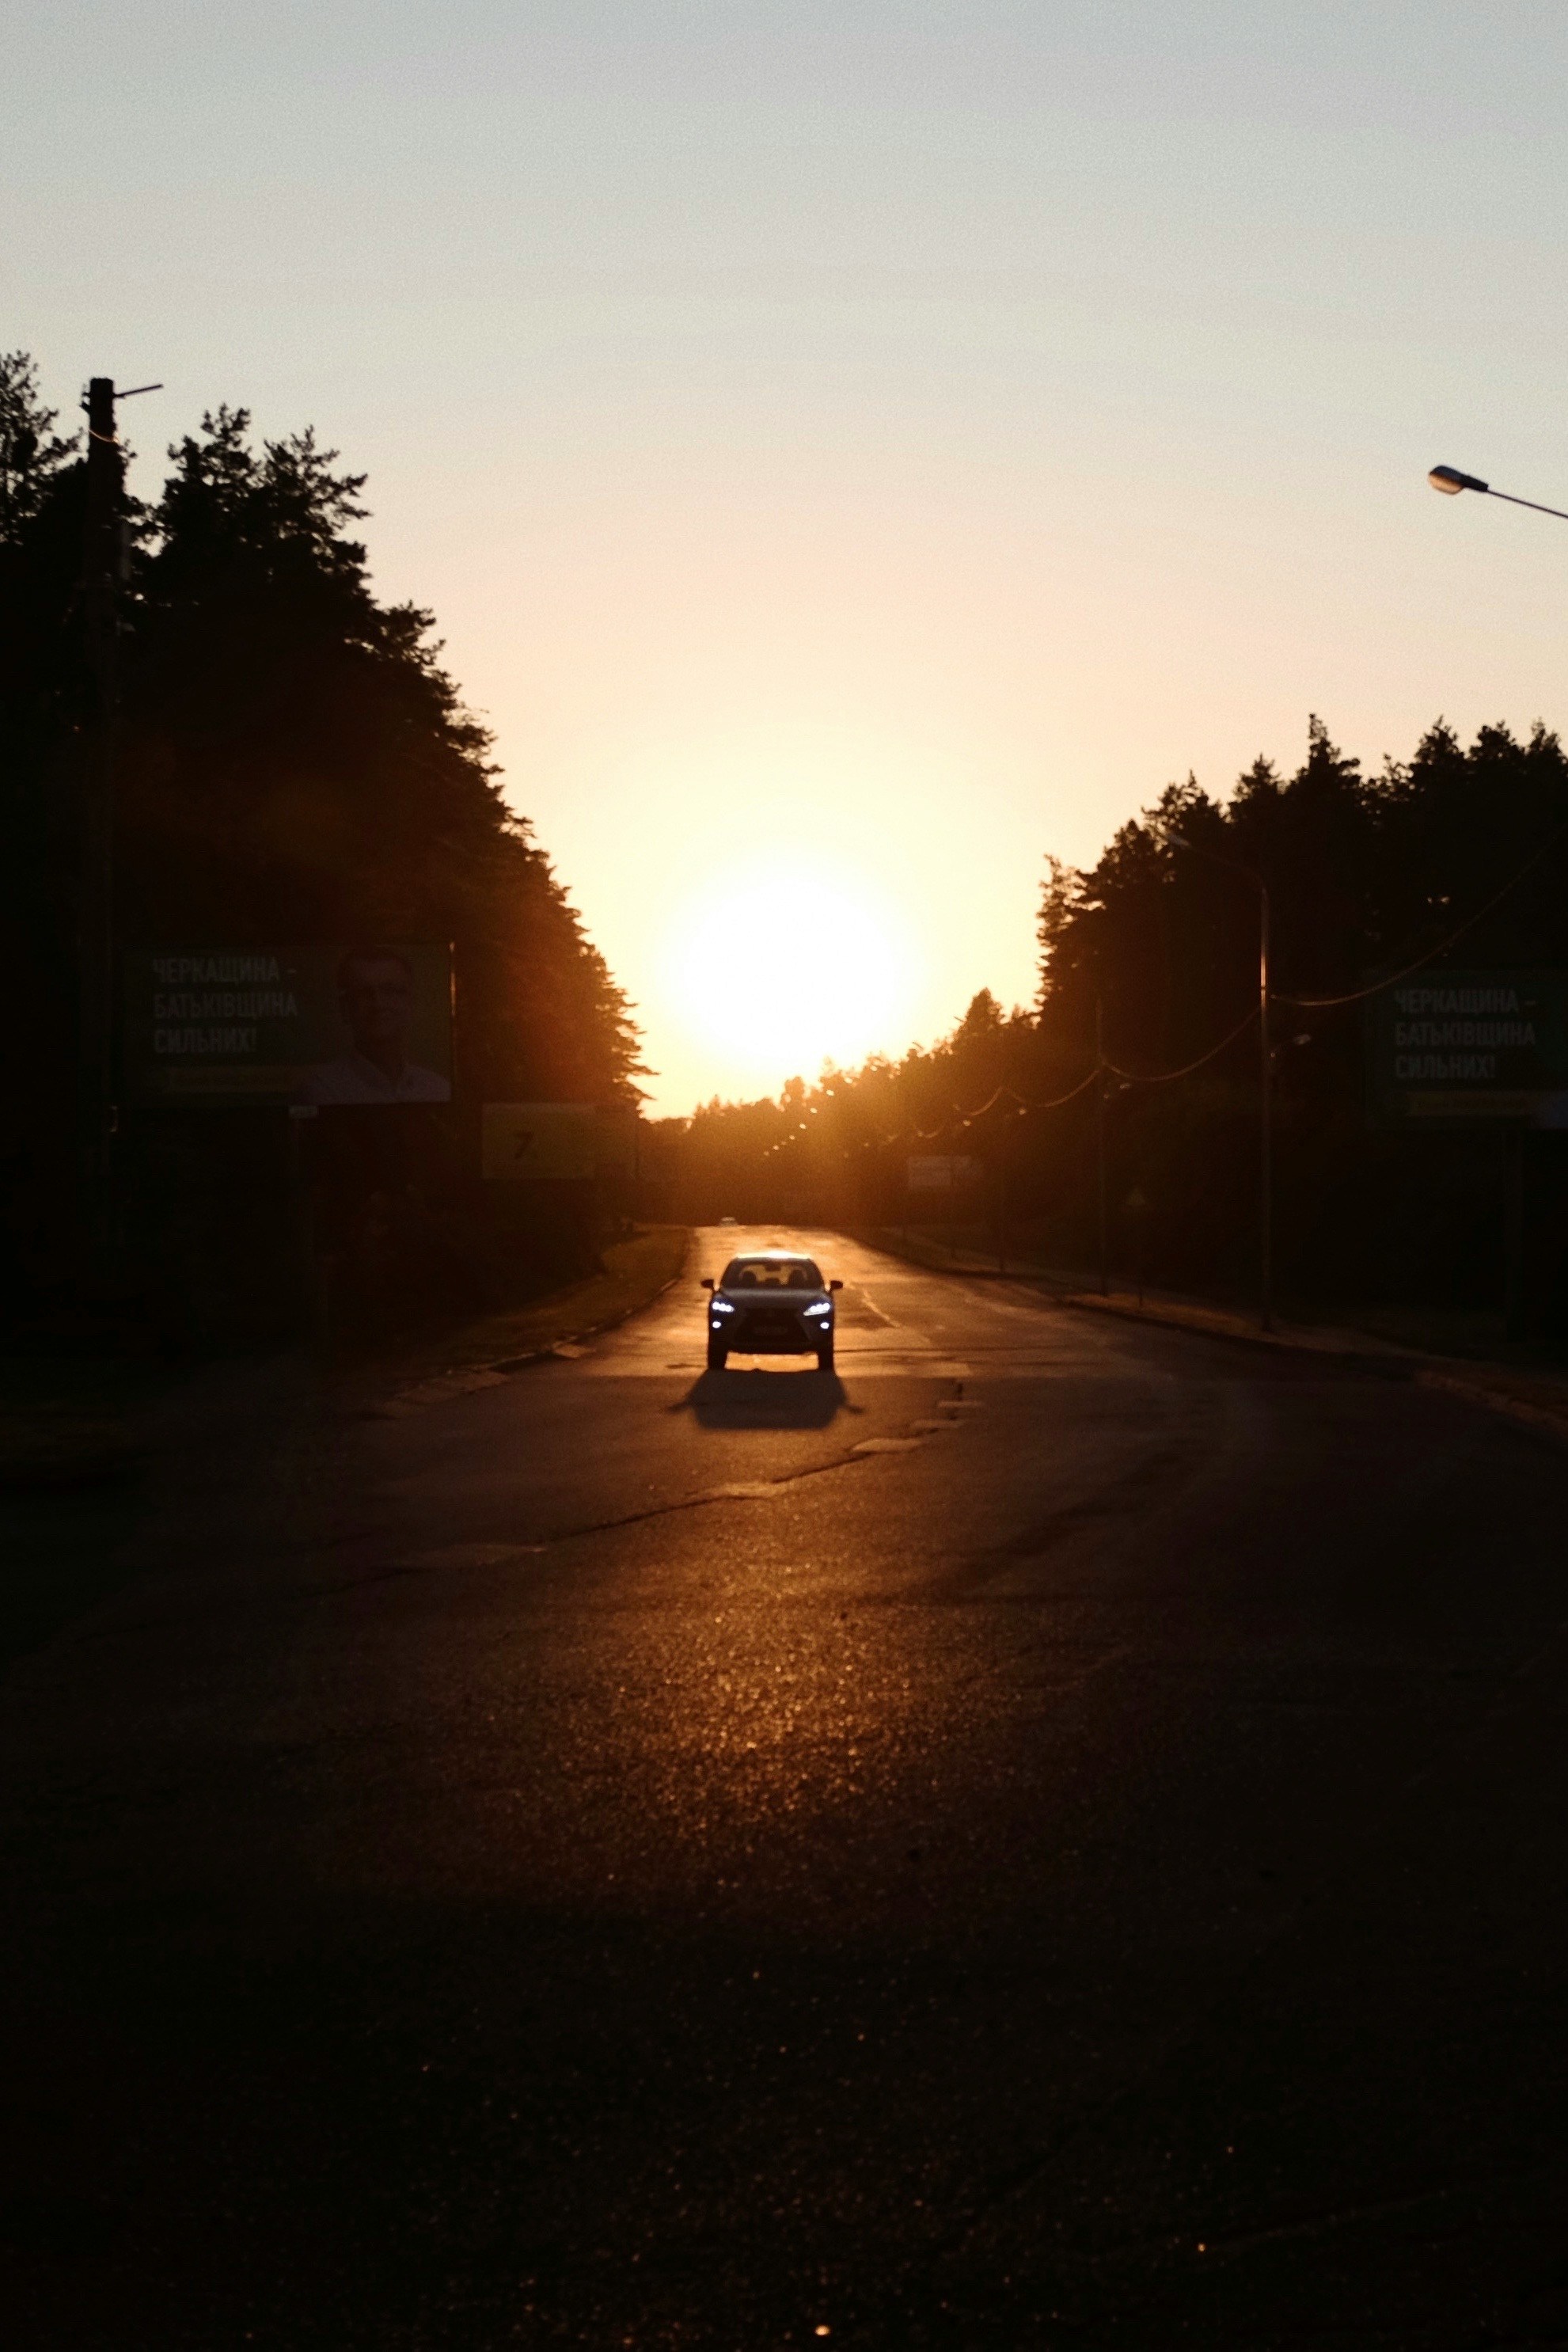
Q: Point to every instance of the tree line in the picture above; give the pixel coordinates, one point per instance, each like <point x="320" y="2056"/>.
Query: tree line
<point x="1147" y="961"/>
<point x="294" y="763"/>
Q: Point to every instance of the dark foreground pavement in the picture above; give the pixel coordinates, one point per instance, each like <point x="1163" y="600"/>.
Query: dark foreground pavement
<point x="603" y="1861"/>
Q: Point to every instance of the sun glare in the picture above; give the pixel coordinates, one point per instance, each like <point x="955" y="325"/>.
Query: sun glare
<point x="782" y="967"/>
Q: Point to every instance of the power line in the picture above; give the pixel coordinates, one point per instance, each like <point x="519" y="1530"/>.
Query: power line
<point x="1357" y="995"/>
<point x="1163" y="1077"/>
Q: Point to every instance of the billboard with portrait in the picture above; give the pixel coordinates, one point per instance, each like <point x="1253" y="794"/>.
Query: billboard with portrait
<point x="347" y="1026"/>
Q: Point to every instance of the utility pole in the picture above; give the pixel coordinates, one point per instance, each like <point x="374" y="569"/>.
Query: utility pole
<point x="96" y="915"/>
<point x="1266" y="1168"/>
<point x="1513" y="1235"/>
<point x="1265" y="1084"/>
<point x="1100" y="1139"/>
<point x="103" y="570"/>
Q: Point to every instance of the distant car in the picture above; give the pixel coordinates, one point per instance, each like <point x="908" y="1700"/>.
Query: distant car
<point x="771" y="1303"/>
<point x="726" y="1221"/>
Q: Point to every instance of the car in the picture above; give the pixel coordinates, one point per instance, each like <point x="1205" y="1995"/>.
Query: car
<point x="771" y="1303"/>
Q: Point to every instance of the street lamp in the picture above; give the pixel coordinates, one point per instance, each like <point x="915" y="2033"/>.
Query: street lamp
<point x="1266" y="1128"/>
<point x="1450" y="481"/>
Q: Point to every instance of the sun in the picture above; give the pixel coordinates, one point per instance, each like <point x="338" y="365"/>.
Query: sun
<point x="782" y="967"/>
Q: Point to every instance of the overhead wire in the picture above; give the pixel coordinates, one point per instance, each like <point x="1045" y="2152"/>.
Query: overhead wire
<point x="1165" y="1078"/>
<point x="1392" y="980"/>
<point x="1055" y="1102"/>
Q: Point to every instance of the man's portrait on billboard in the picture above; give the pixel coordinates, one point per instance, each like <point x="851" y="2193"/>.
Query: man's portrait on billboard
<point x="375" y="993"/>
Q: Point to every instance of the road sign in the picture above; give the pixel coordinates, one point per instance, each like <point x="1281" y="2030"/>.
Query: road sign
<point x="556" y="1142"/>
<point x="1454" y="1047"/>
<point x="944" y="1172"/>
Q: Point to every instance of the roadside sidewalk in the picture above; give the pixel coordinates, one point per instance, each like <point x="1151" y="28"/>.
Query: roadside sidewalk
<point x="1533" y="1394"/>
<point x="73" y="1423"/>
<point x="484" y="1353"/>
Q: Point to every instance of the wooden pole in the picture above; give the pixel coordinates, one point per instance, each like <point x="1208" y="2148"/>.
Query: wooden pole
<point x="96" y="910"/>
<point x="1100" y="1144"/>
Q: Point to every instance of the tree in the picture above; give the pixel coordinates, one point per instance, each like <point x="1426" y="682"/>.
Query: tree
<point x="295" y="764"/>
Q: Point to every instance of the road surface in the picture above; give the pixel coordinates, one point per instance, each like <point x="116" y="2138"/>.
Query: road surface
<point x="1051" y="1837"/>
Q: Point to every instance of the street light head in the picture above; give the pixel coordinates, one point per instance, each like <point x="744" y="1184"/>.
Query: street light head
<point x="1450" y="481"/>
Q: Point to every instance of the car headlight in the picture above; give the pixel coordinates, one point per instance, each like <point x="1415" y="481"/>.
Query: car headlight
<point x="722" y="1307"/>
<point x="823" y="1306"/>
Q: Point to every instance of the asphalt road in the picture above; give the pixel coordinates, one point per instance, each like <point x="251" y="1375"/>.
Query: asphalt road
<point x="1054" y="1837"/>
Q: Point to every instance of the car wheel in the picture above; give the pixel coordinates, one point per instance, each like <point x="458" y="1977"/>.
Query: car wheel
<point x="825" y="1359"/>
<point x="717" y="1355"/>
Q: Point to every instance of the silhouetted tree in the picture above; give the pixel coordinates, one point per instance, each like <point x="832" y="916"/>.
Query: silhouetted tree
<point x="295" y="764"/>
<point x="1156" y="945"/>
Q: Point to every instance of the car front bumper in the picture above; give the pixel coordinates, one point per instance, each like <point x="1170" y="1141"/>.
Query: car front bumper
<point x="760" y="1333"/>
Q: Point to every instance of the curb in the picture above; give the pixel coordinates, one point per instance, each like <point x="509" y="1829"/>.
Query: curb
<point x="1529" y="1416"/>
<point x="1368" y="1355"/>
<point x="464" y="1381"/>
<point x="1389" y="1362"/>
<point x="1342" y="1347"/>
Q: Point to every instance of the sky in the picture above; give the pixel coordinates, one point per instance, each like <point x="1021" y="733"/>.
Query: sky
<point x="851" y="450"/>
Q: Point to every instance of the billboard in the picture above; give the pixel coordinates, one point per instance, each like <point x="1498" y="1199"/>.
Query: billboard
<point x="1460" y="1046"/>
<point x="563" y="1142"/>
<point x="313" y="1026"/>
<point x="942" y="1172"/>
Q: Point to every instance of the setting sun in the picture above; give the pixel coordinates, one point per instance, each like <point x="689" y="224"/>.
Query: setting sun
<point x="782" y="968"/>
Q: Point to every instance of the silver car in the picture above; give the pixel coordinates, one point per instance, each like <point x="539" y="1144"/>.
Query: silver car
<point x="771" y="1303"/>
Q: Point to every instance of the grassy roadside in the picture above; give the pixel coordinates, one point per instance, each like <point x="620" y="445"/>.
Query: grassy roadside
<point x="63" y="1420"/>
<point x="635" y="1272"/>
<point x="73" y="1423"/>
<point x="924" y="1249"/>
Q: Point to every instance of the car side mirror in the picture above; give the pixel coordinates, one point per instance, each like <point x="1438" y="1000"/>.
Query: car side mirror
<point x="707" y="1282"/>
<point x="835" y="1286"/>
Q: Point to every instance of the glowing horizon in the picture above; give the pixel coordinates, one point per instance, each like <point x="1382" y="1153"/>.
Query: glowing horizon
<point x="924" y="432"/>
<point x="780" y="961"/>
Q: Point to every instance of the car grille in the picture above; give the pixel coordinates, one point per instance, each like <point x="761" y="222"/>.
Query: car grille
<point x="773" y="1325"/>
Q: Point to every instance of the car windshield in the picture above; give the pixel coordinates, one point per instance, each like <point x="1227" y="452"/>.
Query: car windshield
<point x="771" y="1274"/>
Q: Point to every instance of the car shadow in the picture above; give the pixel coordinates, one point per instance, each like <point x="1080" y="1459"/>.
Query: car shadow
<point x="766" y="1400"/>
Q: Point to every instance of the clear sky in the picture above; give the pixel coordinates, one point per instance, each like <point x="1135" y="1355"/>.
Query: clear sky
<point x="852" y="447"/>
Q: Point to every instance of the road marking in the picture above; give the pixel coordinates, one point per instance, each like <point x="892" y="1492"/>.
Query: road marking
<point x="470" y="1555"/>
<point x="887" y="1445"/>
<point x="437" y="1391"/>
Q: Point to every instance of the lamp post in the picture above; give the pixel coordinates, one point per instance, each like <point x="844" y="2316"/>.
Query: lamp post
<point x="1265" y="1082"/>
<point x="1450" y="481"/>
